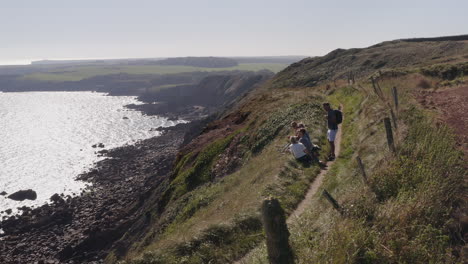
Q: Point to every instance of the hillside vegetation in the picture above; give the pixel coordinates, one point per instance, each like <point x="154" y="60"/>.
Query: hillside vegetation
<point x="409" y="210"/>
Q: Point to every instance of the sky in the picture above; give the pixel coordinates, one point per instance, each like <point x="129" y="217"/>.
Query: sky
<point x="88" y="29"/>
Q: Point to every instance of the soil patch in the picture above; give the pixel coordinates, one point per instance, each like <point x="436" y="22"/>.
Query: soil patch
<point x="452" y="106"/>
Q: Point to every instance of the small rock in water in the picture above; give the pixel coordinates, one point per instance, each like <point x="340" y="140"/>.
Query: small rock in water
<point x="99" y="145"/>
<point x="56" y="198"/>
<point x="23" y="195"/>
<point x="3" y="193"/>
<point x="125" y="117"/>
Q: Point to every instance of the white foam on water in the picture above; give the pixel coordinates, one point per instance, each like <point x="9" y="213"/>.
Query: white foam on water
<point x="46" y="138"/>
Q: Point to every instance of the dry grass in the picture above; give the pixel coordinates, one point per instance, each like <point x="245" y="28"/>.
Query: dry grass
<point x="405" y="214"/>
<point x="266" y="171"/>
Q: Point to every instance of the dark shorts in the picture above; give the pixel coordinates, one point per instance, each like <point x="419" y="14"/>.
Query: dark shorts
<point x="305" y="159"/>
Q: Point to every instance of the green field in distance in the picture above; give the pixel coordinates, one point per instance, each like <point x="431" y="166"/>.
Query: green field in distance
<point x="77" y="73"/>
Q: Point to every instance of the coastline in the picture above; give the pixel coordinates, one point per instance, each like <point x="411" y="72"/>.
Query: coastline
<point x="84" y="228"/>
<point x="80" y="229"/>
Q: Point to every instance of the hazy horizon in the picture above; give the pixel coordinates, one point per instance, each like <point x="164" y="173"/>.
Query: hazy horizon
<point x="57" y="30"/>
<point x="27" y="62"/>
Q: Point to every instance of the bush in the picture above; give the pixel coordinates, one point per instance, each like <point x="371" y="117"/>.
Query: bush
<point x="446" y="71"/>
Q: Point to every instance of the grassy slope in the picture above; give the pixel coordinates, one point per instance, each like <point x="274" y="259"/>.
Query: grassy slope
<point x="77" y="73"/>
<point x="402" y="216"/>
<point x="406" y="212"/>
<point x="391" y="55"/>
<point x="236" y="198"/>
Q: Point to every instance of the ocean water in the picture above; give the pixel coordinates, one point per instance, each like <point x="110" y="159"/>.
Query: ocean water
<point x="46" y="139"/>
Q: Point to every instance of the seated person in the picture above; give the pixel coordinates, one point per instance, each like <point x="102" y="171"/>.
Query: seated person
<point x="301" y="125"/>
<point x="299" y="151"/>
<point x="294" y="126"/>
<point x="311" y="148"/>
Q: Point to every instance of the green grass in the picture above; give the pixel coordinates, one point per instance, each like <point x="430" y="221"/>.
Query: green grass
<point x="281" y="119"/>
<point x="77" y="73"/>
<point x="199" y="172"/>
<point x="404" y="214"/>
<point x="195" y="210"/>
<point x="218" y="244"/>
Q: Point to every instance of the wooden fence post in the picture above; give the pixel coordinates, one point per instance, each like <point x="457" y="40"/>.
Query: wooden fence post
<point x="380" y="90"/>
<point x="331" y="200"/>
<point x="394" y="119"/>
<point x="277" y="234"/>
<point x="395" y="97"/>
<point x="377" y="89"/>
<point x="374" y="86"/>
<point x="388" y="129"/>
<point x="361" y="167"/>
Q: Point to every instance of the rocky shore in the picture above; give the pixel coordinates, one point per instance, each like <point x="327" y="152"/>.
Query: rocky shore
<point x="81" y="229"/>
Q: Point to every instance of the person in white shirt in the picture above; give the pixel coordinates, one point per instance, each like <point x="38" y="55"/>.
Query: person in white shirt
<point x="299" y="151"/>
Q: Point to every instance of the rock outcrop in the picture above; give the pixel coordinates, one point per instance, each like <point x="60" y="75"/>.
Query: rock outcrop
<point x="23" y="195"/>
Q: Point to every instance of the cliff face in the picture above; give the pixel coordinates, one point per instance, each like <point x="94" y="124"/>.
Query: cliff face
<point x="206" y="97"/>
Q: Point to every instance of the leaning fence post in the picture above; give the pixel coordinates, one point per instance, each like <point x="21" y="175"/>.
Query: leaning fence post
<point x="395" y="97"/>
<point x="394" y="118"/>
<point x="377" y="89"/>
<point x="380" y="90"/>
<point x="332" y="200"/>
<point x="277" y="234"/>
<point x="361" y="167"/>
<point x="374" y="86"/>
<point x="388" y="129"/>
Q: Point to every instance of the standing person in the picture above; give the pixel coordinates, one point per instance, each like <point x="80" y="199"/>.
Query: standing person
<point x="332" y="129"/>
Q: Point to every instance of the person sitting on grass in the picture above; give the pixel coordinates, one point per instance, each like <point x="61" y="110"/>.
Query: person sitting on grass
<point x="301" y="125"/>
<point x="299" y="151"/>
<point x="311" y="148"/>
<point x="294" y="126"/>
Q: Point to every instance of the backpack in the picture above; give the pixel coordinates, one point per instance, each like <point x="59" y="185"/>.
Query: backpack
<point x="339" y="117"/>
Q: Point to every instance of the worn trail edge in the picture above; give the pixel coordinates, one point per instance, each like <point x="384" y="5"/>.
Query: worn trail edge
<point x="313" y="188"/>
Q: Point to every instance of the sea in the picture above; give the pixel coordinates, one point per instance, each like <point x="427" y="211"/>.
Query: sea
<point x="47" y="138"/>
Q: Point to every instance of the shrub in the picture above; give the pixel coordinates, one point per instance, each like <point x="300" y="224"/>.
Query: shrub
<point x="200" y="172"/>
<point x="424" y="84"/>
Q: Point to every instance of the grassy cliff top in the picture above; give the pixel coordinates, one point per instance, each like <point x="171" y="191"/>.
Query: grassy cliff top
<point x="407" y="211"/>
<point x="398" y="54"/>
